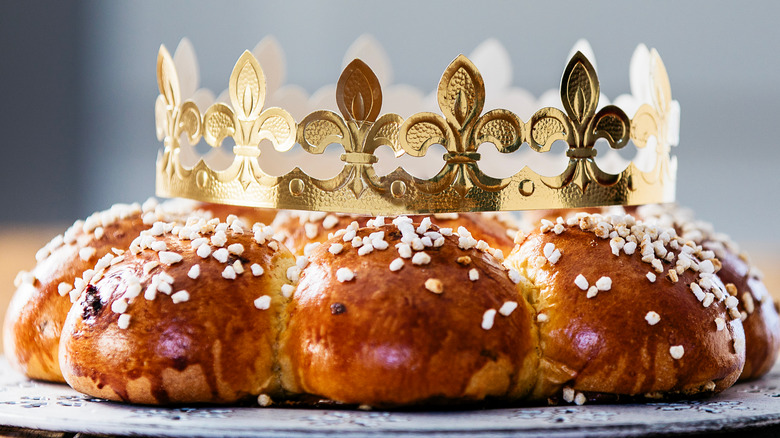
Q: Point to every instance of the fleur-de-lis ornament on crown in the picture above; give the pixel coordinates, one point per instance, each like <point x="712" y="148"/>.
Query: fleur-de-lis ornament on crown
<point x="459" y="185"/>
<point x="461" y="97"/>
<point x="359" y="98"/>
<point x="653" y="119"/>
<point x="579" y="127"/>
<point x="173" y="117"/>
<point x="247" y="123"/>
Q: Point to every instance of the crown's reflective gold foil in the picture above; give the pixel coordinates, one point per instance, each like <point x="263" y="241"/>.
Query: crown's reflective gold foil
<point x="461" y="127"/>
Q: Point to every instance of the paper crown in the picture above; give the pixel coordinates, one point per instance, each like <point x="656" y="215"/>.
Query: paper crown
<point x="458" y="183"/>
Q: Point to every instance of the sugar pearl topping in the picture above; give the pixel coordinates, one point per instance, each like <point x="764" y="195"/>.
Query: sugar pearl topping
<point x="434" y="285"/>
<point x="203" y="251"/>
<point x="568" y="394"/>
<point x="604" y="283"/>
<point x="124" y="321"/>
<point x="119" y="306"/>
<point x="421" y="258"/>
<point x="229" y="273"/>
<point x="507" y="308"/>
<point x="87" y="253"/>
<point x="514" y="276"/>
<point x="257" y="270"/>
<point x="715" y="245"/>
<point x="180" y="296"/>
<point x="581" y="282"/>
<point x="418" y="244"/>
<point x="210" y="239"/>
<point x="652" y="318"/>
<point x="397" y="264"/>
<point x="263" y="302"/>
<point x="287" y="290"/>
<point x="221" y="255"/>
<point x="488" y="319"/>
<point x="293" y="273"/>
<point x="655" y="243"/>
<point x="344" y="275"/>
<point x="169" y="258"/>
<point x="551" y="253"/>
<point x="64" y="288"/>
<point x="677" y="351"/>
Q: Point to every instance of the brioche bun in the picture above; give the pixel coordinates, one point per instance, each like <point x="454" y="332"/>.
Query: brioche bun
<point x="154" y="329"/>
<point x="395" y="327"/>
<point x="613" y="321"/>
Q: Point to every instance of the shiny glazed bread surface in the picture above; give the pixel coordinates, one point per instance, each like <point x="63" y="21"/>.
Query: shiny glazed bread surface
<point x="411" y="336"/>
<point x="215" y="344"/>
<point x="34" y="319"/>
<point x="606" y="343"/>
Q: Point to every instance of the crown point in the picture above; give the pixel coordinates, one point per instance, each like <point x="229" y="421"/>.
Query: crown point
<point x="583" y="47"/>
<point x="358" y="92"/>
<point x="167" y="78"/>
<point x="247" y="86"/>
<point x="461" y="92"/>
<point x="579" y="88"/>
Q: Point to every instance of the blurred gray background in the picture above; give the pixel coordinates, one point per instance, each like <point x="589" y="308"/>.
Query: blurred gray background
<point x="78" y="82"/>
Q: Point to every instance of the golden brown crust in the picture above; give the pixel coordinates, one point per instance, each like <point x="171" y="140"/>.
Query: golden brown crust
<point x="406" y="337"/>
<point x="605" y="344"/>
<point x="497" y="229"/>
<point x="300" y="229"/>
<point x="249" y="215"/>
<point x="217" y="346"/>
<point x="760" y="318"/>
<point x="410" y="335"/>
<point x="34" y="319"/>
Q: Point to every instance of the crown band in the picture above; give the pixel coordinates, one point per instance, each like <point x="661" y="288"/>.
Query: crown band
<point x="461" y="128"/>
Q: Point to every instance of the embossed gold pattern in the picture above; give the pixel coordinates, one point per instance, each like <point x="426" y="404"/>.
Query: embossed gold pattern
<point x="460" y="184"/>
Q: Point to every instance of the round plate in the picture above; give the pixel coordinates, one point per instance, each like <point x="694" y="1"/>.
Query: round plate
<point x="36" y="405"/>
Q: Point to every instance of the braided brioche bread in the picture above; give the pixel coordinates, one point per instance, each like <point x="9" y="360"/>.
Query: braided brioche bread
<point x="188" y="314"/>
<point x="43" y="297"/>
<point x="407" y="313"/>
<point x="626" y="309"/>
<point x="758" y="310"/>
<point x="392" y="326"/>
<point x="37" y="311"/>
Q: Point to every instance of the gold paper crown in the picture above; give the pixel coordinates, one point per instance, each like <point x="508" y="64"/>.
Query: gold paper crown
<point x="462" y="127"/>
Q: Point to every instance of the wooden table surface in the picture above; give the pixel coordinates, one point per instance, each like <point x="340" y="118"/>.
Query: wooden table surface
<point x="18" y="245"/>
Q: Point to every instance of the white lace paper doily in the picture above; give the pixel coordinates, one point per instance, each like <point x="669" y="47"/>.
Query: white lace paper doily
<point x="37" y="405"/>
